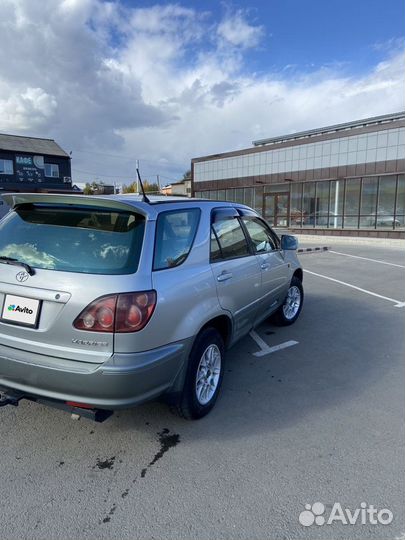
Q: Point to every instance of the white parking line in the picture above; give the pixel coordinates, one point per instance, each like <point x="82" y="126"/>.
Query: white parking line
<point x="366" y="259"/>
<point x="265" y="349"/>
<point x="398" y="303"/>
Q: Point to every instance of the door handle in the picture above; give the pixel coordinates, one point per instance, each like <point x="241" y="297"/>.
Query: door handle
<point x="264" y="266"/>
<point x="224" y="276"/>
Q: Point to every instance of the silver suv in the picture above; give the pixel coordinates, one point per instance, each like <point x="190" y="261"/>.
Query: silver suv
<point x="107" y="302"/>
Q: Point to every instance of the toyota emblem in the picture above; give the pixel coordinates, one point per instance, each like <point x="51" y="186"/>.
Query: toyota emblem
<point x="22" y="276"/>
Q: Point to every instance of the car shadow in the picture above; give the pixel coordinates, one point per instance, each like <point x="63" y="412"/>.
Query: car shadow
<point x="330" y="364"/>
<point x="336" y="359"/>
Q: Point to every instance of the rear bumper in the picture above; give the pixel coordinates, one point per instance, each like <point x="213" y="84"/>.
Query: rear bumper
<point x="123" y="381"/>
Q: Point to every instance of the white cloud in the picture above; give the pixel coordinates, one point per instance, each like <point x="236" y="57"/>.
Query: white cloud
<point x="27" y="110"/>
<point x="236" y="31"/>
<point x="163" y="84"/>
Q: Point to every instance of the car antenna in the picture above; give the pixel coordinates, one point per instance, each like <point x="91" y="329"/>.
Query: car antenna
<point x="144" y="197"/>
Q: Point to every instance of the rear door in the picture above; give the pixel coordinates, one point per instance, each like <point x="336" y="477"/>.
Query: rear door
<point x="274" y="269"/>
<point x="236" y="269"/>
<point x="77" y="254"/>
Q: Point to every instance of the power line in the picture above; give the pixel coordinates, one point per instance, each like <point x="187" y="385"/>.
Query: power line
<point x="120" y="177"/>
<point x="101" y="154"/>
<point x="167" y="178"/>
<point x="116" y="156"/>
<point x="93" y="173"/>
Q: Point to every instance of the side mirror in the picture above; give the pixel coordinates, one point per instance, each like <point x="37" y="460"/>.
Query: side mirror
<point x="289" y="242"/>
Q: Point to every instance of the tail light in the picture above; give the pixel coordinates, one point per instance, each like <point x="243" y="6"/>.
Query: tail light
<point x="129" y="312"/>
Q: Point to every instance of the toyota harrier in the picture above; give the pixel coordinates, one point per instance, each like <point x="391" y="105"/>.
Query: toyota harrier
<point x="106" y="302"/>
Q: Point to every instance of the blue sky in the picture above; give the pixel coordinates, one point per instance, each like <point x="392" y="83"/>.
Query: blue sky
<point x="322" y="32"/>
<point x="163" y="82"/>
<point x="308" y="34"/>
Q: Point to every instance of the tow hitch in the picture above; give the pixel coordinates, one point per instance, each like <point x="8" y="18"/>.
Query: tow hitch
<point x="10" y="398"/>
<point x="13" y="397"/>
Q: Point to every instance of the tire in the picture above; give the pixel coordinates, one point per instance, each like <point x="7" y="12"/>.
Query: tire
<point x="201" y="385"/>
<point x="290" y="309"/>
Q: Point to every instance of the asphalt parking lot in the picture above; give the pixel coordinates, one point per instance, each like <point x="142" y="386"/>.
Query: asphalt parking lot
<point x="321" y="420"/>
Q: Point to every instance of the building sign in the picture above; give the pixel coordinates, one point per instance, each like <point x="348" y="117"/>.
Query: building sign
<point x="30" y="168"/>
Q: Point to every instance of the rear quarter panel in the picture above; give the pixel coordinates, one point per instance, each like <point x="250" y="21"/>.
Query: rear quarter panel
<point x="187" y="294"/>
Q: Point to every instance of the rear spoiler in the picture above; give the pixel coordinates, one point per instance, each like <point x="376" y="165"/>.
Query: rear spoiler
<point x="17" y="199"/>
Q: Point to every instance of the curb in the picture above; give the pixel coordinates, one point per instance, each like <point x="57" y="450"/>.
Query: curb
<point x="354" y="240"/>
<point x="312" y="250"/>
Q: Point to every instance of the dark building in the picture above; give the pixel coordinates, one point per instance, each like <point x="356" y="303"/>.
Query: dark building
<point x="33" y="163"/>
<point x="346" y="179"/>
<point x="104" y="189"/>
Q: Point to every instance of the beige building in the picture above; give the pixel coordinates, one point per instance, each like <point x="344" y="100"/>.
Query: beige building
<point x="182" y="188"/>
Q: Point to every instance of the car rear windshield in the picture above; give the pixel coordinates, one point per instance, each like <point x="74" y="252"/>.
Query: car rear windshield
<point x="82" y="239"/>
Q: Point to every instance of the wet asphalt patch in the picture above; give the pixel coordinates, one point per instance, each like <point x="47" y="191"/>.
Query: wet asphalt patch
<point x="166" y="439"/>
<point x="105" y="464"/>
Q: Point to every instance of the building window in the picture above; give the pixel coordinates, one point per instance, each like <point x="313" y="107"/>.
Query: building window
<point x="400" y="203"/>
<point x="352" y="200"/>
<point x="52" y="170"/>
<point x="322" y="204"/>
<point x="368" y="206"/>
<point x="258" y="199"/>
<point x="238" y="195"/>
<point x="230" y="193"/>
<point x="386" y="202"/>
<point x="296" y="216"/>
<point x="386" y="199"/>
<point x="6" y="166"/>
<point x="249" y="196"/>
<point x="308" y="204"/>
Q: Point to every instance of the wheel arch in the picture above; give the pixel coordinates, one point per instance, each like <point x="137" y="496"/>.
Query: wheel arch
<point x="221" y="323"/>
<point x="299" y="274"/>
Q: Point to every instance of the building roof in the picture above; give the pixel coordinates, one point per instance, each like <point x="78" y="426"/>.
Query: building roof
<point x="31" y="145"/>
<point x="332" y="129"/>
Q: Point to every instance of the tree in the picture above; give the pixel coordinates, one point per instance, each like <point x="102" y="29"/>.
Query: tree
<point x="148" y="187"/>
<point x="90" y="189"/>
<point x="87" y="189"/>
<point x="151" y="187"/>
<point x="187" y="175"/>
<point x="132" y="188"/>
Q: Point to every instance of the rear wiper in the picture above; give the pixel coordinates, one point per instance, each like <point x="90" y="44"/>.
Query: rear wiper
<point x="16" y="262"/>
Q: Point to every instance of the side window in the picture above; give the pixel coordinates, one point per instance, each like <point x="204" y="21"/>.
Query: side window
<point x="215" y="254"/>
<point x="260" y="235"/>
<point x="228" y="240"/>
<point x="175" y="233"/>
